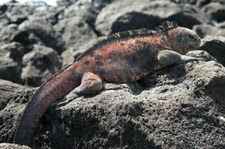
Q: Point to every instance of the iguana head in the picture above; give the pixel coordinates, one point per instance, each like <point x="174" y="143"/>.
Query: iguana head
<point x="179" y="39"/>
<point x="188" y="38"/>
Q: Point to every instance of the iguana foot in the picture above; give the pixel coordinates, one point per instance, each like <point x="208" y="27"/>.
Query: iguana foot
<point x="65" y="100"/>
<point x="168" y="57"/>
<point x="90" y="84"/>
<point x="186" y="58"/>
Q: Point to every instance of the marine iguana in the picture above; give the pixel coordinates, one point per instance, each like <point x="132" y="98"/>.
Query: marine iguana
<point x="121" y="58"/>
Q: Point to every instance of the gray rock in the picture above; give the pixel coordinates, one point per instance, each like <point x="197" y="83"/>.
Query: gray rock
<point x="77" y="29"/>
<point x="215" y="46"/>
<point x="75" y="32"/>
<point x="3" y="8"/>
<point x="221" y="25"/>
<point x="99" y="4"/>
<point x="198" y="3"/>
<point x="11" y="102"/>
<point x="7" y="90"/>
<point x="215" y="11"/>
<point x="11" y="62"/>
<point x="88" y="10"/>
<point x="65" y="2"/>
<point x="42" y="31"/>
<point x="181" y="106"/>
<point x="50" y="14"/>
<point x="39" y="65"/>
<point x="3" y="21"/>
<point x="12" y="50"/>
<point x="208" y="30"/>
<point x="13" y="97"/>
<point x="177" y="109"/>
<point x="13" y="146"/>
<point x="119" y="16"/>
<point x="18" y="13"/>
<point x="75" y="23"/>
<point x="10" y="70"/>
<point x="70" y="56"/>
<point x="6" y="33"/>
<point x="174" y="110"/>
<point x="85" y="9"/>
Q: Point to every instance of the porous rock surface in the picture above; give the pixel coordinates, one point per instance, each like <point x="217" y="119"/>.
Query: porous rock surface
<point x="181" y="106"/>
<point x="13" y="146"/>
<point x="175" y="108"/>
<point x="73" y="26"/>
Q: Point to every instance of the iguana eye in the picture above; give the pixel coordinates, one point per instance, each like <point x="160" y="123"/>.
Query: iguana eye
<point x="191" y="37"/>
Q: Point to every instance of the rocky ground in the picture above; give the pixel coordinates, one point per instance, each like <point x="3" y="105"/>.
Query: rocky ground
<point x="182" y="106"/>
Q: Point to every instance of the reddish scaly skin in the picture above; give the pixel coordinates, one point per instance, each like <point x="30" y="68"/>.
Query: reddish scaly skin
<point x="118" y="61"/>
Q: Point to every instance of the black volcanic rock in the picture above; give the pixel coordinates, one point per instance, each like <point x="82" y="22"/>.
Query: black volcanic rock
<point x="43" y="32"/>
<point x="119" y="16"/>
<point x="11" y="62"/>
<point x="208" y="30"/>
<point x="39" y="65"/>
<point x="181" y="106"/>
<point x="215" y="46"/>
<point x="216" y="11"/>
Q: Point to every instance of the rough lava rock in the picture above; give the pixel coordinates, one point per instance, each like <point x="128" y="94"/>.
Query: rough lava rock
<point x="77" y="35"/>
<point x="42" y="30"/>
<point x="86" y="11"/>
<point x="181" y="106"/>
<point x="7" y="90"/>
<point x="215" y="46"/>
<point x="6" y="33"/>
<point x="215" y="11"/>
<point x="177" y="107"/>
<point x="120" y="16"/>
<point x="39" y="65"/>
<point x="75" y="32"/>
<point x="208" y="30"/>
<point x="17" y="14"/>
<point x="13" y="146"/>
<point x="11" y="62"/>
<point x="12" y="99"/>
<point x="70" y="55"/>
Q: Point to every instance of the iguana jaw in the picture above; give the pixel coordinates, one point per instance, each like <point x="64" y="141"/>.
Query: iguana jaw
<point x="195" y="46"/>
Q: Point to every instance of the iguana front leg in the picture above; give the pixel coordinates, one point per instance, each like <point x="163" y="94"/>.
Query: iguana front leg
<point x="90" y="83"/>
<point x="168" y="57"/>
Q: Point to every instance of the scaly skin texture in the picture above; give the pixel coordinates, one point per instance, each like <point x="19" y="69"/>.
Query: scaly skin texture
<point x="119" y="59"/>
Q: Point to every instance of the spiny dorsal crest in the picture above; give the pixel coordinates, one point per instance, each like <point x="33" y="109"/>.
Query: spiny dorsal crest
<point x="117" y="36"/>
<point x="131" y="33"/>
<point x="166" y="26"/>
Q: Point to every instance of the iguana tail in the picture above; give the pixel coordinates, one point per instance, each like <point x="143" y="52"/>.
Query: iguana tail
<point x="52" y="90"/>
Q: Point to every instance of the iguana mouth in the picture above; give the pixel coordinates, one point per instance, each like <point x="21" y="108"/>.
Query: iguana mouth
<point x="196" y="44"/>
